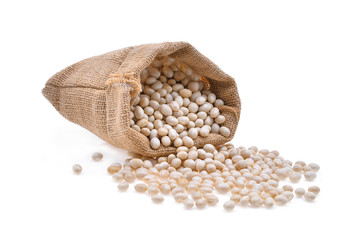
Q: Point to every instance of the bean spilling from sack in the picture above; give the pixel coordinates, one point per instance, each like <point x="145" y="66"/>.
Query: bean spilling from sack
<point x="174" y="109"/>
<point x="250" y="177"/>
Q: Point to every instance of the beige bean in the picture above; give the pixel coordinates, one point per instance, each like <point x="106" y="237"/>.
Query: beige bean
<point x="299" y="192"/>
<point x="157" y="199"/>
<point x="165" y="140"/>
<point x="123" y="186"/>
<point x="204" y="131"/>
<point x="220" y="119"/>
<point x="155" y="143"/>
<point x="140" y="187"/>
<point x="225" y="131"/>
<point x="314" y="189"/>
<point x="188" y="203"/>
<point x="310" y="196"/>
<point x="200" y="203"/>
<point x="77" y="168"/>
<point x="136" y="163"/>
<point x="165" y="110"/>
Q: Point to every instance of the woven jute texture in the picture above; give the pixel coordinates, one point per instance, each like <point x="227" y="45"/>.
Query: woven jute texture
<point x="97" y="93"/>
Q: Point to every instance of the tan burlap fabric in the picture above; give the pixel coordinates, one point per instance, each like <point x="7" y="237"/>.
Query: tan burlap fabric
<point x="97" y="93"/>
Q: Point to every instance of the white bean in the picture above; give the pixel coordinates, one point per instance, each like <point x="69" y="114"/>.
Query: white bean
<point x="77" y="168"/>
<point x="229" y="205"/>
<point x="314" y="189"/>
<point x="157" y="199"/>
<point x="155" y="143"/>
<point x="309" y="196"/>
<point x="166" y="110"/>
<point x="310" y="176"/>
<point x="225" y="131"/>
<point x="123" y="186"/>
<point x="140" y="187"/>
<point x="188" y="203"/>
<point x="299" y="192"/>
<point x="269" y="202"/>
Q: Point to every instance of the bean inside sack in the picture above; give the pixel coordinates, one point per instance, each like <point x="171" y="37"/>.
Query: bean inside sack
<point x="175" y="107"/>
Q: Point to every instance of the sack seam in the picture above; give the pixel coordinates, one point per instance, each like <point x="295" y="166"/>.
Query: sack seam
<point x="81" y="87"/>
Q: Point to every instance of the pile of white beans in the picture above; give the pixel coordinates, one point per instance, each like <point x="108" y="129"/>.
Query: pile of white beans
<point x="195" y="177"/>
<point x="174" y="108"/>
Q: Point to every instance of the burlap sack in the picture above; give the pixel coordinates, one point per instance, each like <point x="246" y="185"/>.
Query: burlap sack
<point x="97" y="93"/>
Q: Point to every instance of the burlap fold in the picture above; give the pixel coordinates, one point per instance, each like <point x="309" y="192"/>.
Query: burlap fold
<point x="97" y="93"/>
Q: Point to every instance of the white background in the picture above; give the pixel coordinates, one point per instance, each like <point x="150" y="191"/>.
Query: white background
<point x="297" y="68"/>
